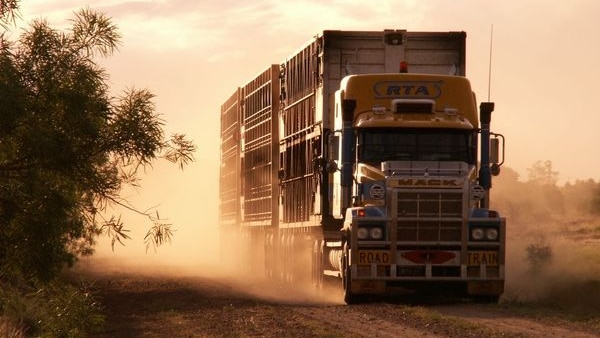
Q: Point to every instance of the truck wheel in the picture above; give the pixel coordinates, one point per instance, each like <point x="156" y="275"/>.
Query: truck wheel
<point x="349" y="297"/>
<point x="317" y="266"/>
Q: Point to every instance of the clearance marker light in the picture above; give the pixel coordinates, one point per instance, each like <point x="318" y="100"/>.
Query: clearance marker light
<point x="403" y="67"/>
<point x="378" y="110"/>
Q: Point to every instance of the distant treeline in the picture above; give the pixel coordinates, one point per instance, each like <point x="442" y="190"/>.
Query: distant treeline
<point x="541" y="199"/>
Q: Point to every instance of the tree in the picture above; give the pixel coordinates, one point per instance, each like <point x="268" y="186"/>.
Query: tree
<point x="544" y="179"/>
<point x="8" y="8"/>
<point x="581" y="197"/>
<point x="542" y="173"/>
<point x="67" y="148"/>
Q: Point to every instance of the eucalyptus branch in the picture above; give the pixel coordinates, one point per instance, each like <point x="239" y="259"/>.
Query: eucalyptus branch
<point x="158" y="234"/>
<point x="179" y="150"/>
<point x="9" y="12"/>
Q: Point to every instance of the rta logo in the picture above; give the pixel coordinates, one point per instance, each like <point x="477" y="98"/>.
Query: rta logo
<point x="408" y="89"/>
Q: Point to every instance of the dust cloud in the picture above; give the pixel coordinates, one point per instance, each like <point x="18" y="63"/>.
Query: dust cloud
<point x="553" y="243"/>
<point x="220" y="257"/>
<point x="199" y="249"/>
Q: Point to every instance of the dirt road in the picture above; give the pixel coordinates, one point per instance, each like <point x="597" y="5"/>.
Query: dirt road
<point x="150" y="305"/>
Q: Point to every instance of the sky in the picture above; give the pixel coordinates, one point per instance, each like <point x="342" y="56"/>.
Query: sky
<point x="193" y="54"/>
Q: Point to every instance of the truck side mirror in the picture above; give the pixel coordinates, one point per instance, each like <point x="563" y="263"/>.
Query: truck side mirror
<point x="494" y="150"/>
<point x="495" y="160"/>
<point x="495" y="169"/>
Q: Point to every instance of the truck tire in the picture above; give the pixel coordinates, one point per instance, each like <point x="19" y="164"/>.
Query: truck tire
<point x="349" y="296"/>
<point x="317" y="265"/>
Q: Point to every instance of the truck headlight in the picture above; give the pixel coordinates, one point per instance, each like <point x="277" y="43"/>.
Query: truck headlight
<point x="477" y="234"/>
<point x="484" y="234"/>
<point x="376" y="233"/>
<point x="370" y="232"/>
<point x="491" y="234"/>
<point x="362" y="233"/>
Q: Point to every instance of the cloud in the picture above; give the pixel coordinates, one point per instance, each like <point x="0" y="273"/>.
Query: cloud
<point x="151" y="24"/>
<point x="224" y="28"/>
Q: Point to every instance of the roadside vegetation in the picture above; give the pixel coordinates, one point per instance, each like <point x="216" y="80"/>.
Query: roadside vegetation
<point x="553" y="244"/>
<point x="67" y="149"/>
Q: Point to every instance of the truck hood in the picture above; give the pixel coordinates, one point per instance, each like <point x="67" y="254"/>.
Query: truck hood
<point x="367" y="172"/>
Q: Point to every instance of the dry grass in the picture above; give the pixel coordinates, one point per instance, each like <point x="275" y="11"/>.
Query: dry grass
<point x="9" y="329"/>
<point x="554" y="267"/>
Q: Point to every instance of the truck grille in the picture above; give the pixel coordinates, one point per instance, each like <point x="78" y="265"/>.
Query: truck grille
<point x="430" y="216"/>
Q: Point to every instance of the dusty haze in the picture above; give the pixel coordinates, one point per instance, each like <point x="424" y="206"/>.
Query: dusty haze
<point x="571" y="277"/>
<point x="550" y="217"/>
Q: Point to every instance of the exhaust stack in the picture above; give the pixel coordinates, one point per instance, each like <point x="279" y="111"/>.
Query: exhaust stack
<point x="485" y="175"/>
<point x="348" y="107"/>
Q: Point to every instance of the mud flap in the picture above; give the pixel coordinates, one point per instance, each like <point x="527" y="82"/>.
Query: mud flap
<point x="485" y="288"/>
<point x="368" y="287"/>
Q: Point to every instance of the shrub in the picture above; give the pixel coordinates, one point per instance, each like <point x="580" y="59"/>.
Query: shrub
<point x="54" y="309"/>
<point x="539" y="255"/>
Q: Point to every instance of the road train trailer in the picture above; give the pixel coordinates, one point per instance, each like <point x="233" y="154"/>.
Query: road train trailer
<point x="362" y="157"/>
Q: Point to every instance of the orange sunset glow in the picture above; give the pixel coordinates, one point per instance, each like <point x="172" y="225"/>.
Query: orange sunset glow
<point x="193" y="54"/>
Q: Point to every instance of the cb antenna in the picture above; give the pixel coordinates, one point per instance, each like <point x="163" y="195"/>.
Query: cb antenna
<point x="490" y="65"/>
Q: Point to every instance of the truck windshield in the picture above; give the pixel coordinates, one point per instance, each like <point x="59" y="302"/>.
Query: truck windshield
<point x="386" y="144"/>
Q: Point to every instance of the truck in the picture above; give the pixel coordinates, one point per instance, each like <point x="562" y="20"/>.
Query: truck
<point x="362" y="159"/>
